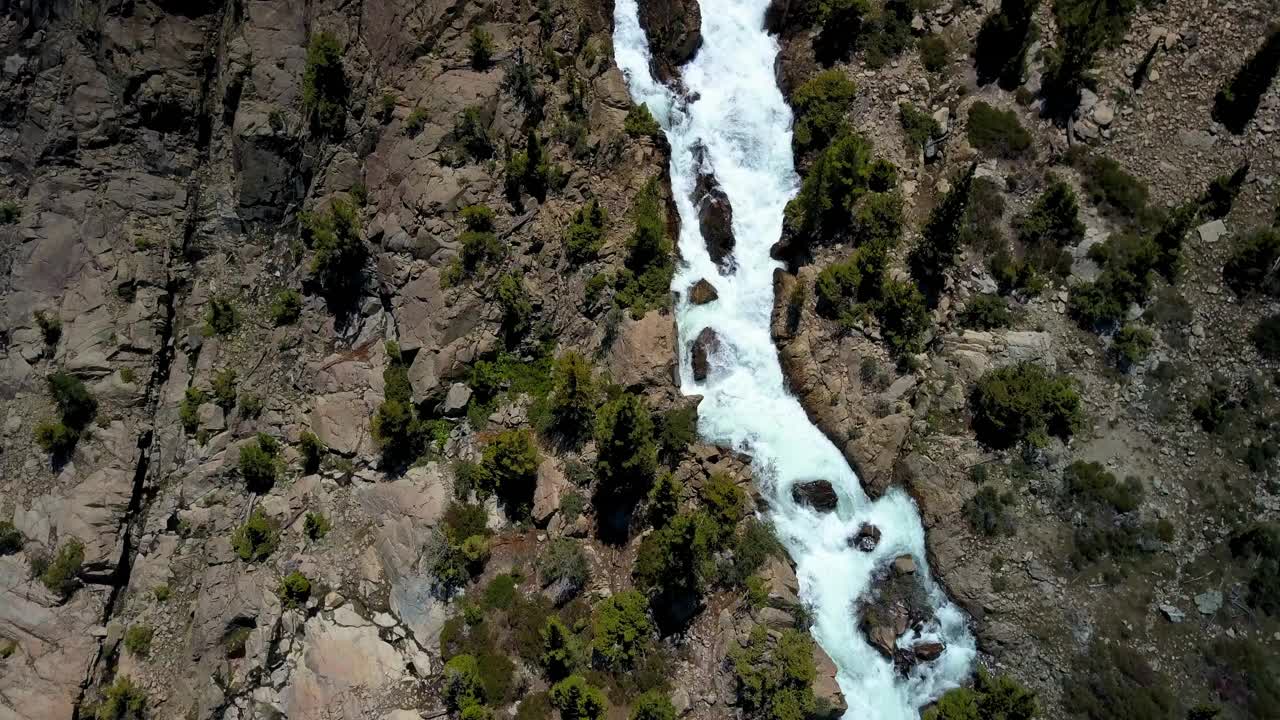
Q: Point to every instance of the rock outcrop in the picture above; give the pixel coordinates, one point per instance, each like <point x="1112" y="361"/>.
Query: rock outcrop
<point x="674" y="29"/>
<point x="817" y="494"/>
<point x="704" y="346"/>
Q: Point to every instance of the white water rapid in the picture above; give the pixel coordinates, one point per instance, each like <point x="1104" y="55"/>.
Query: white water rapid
<point x="738" y="115"/>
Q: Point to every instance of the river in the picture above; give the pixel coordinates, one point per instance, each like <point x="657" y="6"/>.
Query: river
<point x="739" y="124"/>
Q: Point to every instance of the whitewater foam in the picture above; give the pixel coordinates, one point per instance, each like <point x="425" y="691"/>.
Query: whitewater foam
<point x="740" y="126"/>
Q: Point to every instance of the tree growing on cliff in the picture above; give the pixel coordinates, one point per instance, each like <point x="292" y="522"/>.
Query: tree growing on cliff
<point x="1025" y="403"/>
<point x="626" y="451"/>
<point x="340" y="253"/>
<point x="511" y="470"/>
<point x="324" y="84"/>
<point x="775" y="680"/>
<point x="939" y="245"/>
<point x="820" y="105"/>
<point x="1237" y="102"/>
<point x="585" y="236"/>
<point x="573" y="394"/>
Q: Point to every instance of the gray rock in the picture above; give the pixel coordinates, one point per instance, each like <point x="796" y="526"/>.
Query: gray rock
<point x="1173" y="614"/>
<point x="455" y="401"/>
<point x="1211" y="232"/>
<point x="817" y="494"/>
<point x="1209" y="602"/>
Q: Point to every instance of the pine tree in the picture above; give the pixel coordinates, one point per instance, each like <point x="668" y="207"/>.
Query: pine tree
<point x="626" y="451"/>
<point x="940" y="244"/>
<point x="1222" y="191"/>
<point x="1237" y="102"/>
<point x="560" y="650"/>
<point x="573" y="394"/>
<point x="1054" y="219"/>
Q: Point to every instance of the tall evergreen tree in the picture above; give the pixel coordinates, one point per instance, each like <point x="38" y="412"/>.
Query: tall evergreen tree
<point x="940" y="244"/>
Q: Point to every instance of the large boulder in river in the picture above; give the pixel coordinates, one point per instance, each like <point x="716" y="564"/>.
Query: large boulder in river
<point x="715" y="218"/>
<point x="895" y="603"/>
<point x="702" y="292"/>
<point x="817" y="494"/>
<point x="704" y="345"/>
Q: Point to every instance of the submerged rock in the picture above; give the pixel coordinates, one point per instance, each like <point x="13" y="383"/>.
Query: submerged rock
<point x="702" y="292"/>
<point x="867" y="538"/>
<point x="817" y="494"/>
<point x="706" y="343"/>
<point x="928" y="651"/>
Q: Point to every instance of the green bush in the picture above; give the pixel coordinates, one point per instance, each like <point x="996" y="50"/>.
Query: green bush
<point x="1000" y="50"/>
<point x="751" y="548"/>
<point x="1259" y="545"/>
<point x="1253" y="262"/>
<point x="889" y="34"/>
<point x="340" y="253"/>
<point x="1128" y="265"/>
<point x="1085" y="27"/>
<point x="1089" y="484"/>
<point x="902" y="315"/>
<point x="839" y="177"/>
<point x="939" y="244"/>
<point x="511" y="470"/>
<point x="1169" y="237"/>
<point x="1115" y="191"/>
<point x="997" y="132"/>
<point x="563" y="562"/>
<point x="258" y="463"/>
<point x="990" y="698"/>
<point x="980" y="228"/>
<point x="224" y="387"/>
<point x="189" y="409"/>
<point x="462" y="684"/>
<point x="725" y="505"/>
<point x="1215" y="407"/>
<point x="1131" y="345"/>
<point x="256" y="539"/>
<point x="573" y="394"/>
<point x="1237" y="102"/>
<point x="561" y="651"/>
<point x="501" y="592"/>
<point x="627" y="454"/>
<point x="919" y="126"/>
<point x="1266" y="337"/>
<point x="471" y="132"/>
<point x="621" y="630"/>
<point x="640" y="123"/>
<point x="675" y="561"/>
<point x="842" y="24"/>
<point x="137" y="640"/>
<point x="286" y="307"/>
<point x="50" y="327"/>
<point x="645" y="281"/>
<point x="481" y="48"/>
<point x="820" y="104"/>
<point x="664" y="499"/>
<point x="535" y="706"/>
<point x="1245" y="673"/>
<point x="76" y="405"/>
<point x="1054" y="219"/>
<point x="1114" y="682"/>
<point x="11" y="539"/>
<point x="677" y="430"/>
<point x="775" y="681"/>
<point x="56" y="438"/>
<point x="934" y="53"/>
<point x="1025" y="403"/>
<point x="986" y="312"/>
<point x="652" y="705"/>
<point x="578" y="700"/>
<point x="123" y="700"/>
<point x="324" y="84"/>
<point x="61" y="576"/>
<point x="316" y="525"/>
<point x="989" y="512"/>
<point x="10" y="212"/>
<point x="312" y="450"/>
<point x="294" y="590"/>
<point x="396" y="428"/>
<point x="585" y="235"/>
<point x="415" y="122"/>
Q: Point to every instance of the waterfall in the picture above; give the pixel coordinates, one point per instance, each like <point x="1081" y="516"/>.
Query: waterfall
<point x="738" y="123"/>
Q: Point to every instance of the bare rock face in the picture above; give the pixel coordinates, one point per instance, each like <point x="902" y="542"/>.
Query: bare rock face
<point x="704" y="345"/>
<point x="825" y="687"/>
<point x="674" y="28"/>
<point x="817" y="494"/>
<point x="867" y="538"/>
<point x="702" y="292"/>
<point x="546" y="495"/>
<point x="644" y="351"/>
<point x="715" y="219"/>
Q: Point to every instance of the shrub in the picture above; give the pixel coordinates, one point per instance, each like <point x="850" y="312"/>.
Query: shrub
<point x="989" y="512"/>
<point x="752" y="547"/>
<point x="725" y="504"/>
<point x="445" y="561"/>
<point x="1169" y="237"/>
<point x="1259" y="545"/>
<point x="471" y="131"/>
<point x="76" y="406"/>
<point x="902" y="315"/>
<point x="312" y="451"/>
<point x="839" y="177"/>
<point x="415" y="122"/>
<point x="1128" y="270"/>
<point x="189" y="409"/>
<point x="664" y="499"/>
<point x="324" y="84"/>
<point x="529" y="170"/>
<point x="1131" y="345"/>
<point x="10" y="212"/>
<point x="775" y="681"/>
<point x="842" y="24"/>
<point x="1222" y="191"/>
<point x="535" y="706"/>
<point x="652" y="705"/>
<point x="980" y="228"/>
<point x="577" y="700"/>
<point x="1244" y="673"/>
<point x="258" y="463"/>
<point x="1085" y="27"/>
<point x="890" y="32"/>
<point x="934" y="53"/>
<point x="462" y="684"/>
<point x="1115" y="191"/>
<point x="50" y="327"/>
<point x="645" y="281"/>
<point x="1116" y="683"/>
<point x="585" y="235"/>
<point x="561" y="653"/>
<point x="640" y="123"/>
<point x="256" y="539"/>
<point x="340" y="253"/>
<point x="123" y="700"/>
<point x="511" y="469"/>
<point x="316" y="525"/>
<point x="677" y="429"/>
<point x="224" y="387"/>
<point x="294" y="590"/>
<point x="1266" y="337"/>
<point x="986" y="312"/>
<point x="674" y="562"/>
<point x="997" y="132"/>
<point x="563" y="561"/>
<point x="918" y="125"/>
<point x="10" y="538"/>
<point x="56" y="438"/>
<point x="620" y="630"/>
<point x="137" y="640"/>
<point x="1054" y="219"/>
<point x="626" y="452"/>
<point x="1089" y="483"/>
<point x="573" y="394"/>
<point x="517" y="309"/>
<point x="286" y="307"/>
<point x="1253" y="262"/>
<point x="481" y="48"/>
<point x="991" y="698"/>
<point x="1000" y="50"/>
<point x="1215" y="407"/>
<point x="820" y="105"/>
<point x="1237" y="102"/>
<point x="1024" y="403"/>
<point x="61" y="576"/>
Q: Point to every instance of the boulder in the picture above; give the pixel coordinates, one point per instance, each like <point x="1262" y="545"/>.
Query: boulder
<point x="455" y="401"/>
<point x="904" y="565"/>
<point x="702" y="292"/>
<point x="546" y="495"/>
<point x="643" y="354"/>
<point x="817" y="494"/>
<point x="715" y="219"/>
<point x="780" y="581"/>
<point x="928" y="651"/>
<point x="867" y="538"/>
<point x="704" y="346"/>
<point x="825" y="687"/>
<point x="674" y="28"/>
